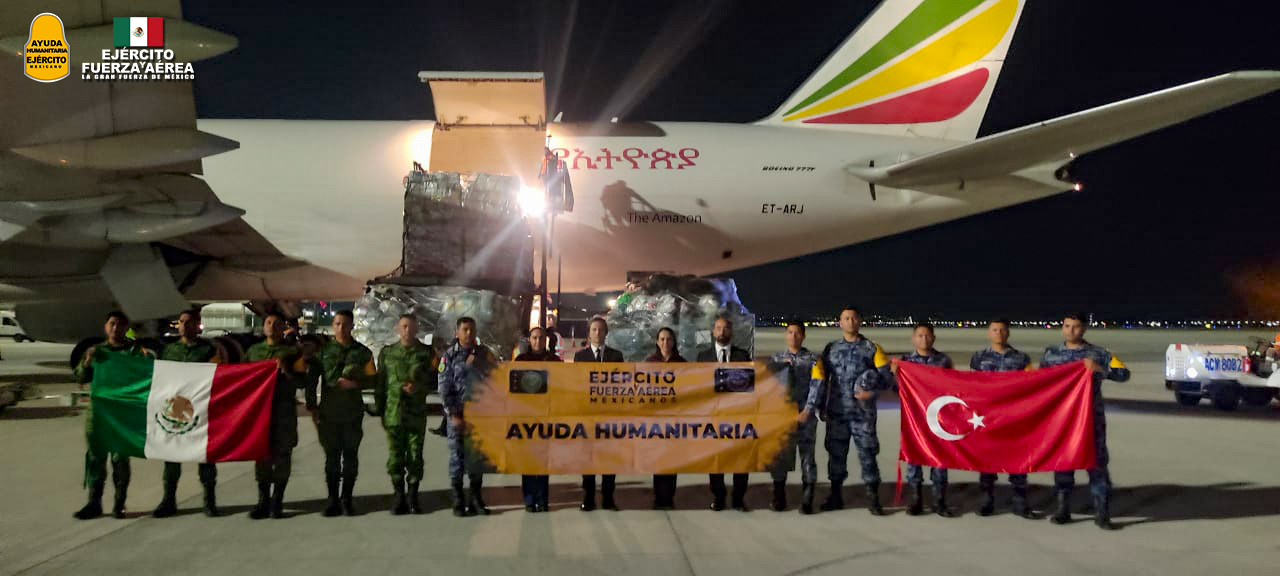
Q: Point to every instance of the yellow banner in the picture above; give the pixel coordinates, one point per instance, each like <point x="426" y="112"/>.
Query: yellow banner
<point x="629" y="418"/>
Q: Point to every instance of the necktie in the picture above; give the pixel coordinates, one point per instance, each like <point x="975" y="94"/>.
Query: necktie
<point x="599" y="355"/>
<point x="724" y="355"/>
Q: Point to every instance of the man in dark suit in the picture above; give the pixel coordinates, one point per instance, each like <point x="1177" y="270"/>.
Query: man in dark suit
<point x="596" y="351"/>
<point x="720" y="352"/>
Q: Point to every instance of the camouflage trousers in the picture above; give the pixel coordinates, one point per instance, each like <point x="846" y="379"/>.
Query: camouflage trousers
<point x="804" y="440"/>
<point x="915" y="476"/>
<point x="95" y="468"/>
<point x="860" y="426"/>
<point x="207" y="471"/>
<point x="404" y="453"/>
<point x="341" y="443"/>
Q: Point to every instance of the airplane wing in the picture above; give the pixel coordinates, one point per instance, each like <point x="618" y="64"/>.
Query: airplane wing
<point x="100" y="194"/>
<point x="1040" y="148"/>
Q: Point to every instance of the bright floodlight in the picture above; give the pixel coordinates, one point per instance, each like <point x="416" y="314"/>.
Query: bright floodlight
<point x="533" y="201"/>
<point x="611" y="302"/>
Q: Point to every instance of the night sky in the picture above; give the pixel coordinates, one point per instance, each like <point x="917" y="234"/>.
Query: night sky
<point x="1181" y="223"/>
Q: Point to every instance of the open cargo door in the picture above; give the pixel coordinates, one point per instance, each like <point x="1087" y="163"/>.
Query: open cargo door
<point x="488" y="122"/>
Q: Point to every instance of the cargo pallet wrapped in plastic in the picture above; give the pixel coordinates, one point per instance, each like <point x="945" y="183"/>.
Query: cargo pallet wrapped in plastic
<point x="437" y="309"/>
<point x="686" y="304"/>
<point x="467" y="252"/>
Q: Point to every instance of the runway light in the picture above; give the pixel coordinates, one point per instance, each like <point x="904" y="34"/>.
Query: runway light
<point x="533" y="202"/>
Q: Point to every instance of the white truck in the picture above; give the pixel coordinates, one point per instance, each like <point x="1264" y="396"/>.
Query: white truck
<point x="1226" y="374"/>
<point x="9" y="327"/>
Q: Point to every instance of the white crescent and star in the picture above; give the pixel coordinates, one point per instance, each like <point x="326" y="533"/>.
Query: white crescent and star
<point x="935" y="407"/>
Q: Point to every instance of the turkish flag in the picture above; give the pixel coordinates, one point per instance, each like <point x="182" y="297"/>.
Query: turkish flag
<point x="1002" y="422"/>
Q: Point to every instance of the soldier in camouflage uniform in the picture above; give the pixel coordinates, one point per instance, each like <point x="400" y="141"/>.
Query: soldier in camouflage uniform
<point x="1103" y="366"/>
<point x="291" y="372"/>
<point x="345" y="367"/>
<point x="405" y="375"/>
<point x="795" y="365"/>
<point x="922" y="337"/>
<point x="852" y="371"/>
<point x="95" y="460"/>
<point x="189" y="348"/>
<point x="1001" y="357"/>
<point x="465" y="363"/>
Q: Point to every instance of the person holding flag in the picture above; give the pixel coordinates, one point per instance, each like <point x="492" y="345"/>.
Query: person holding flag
<point x="851" y="372"/>
<point x="1001" y="357"/>
<point x="291" y="369"/>
<point x="1103" y="366"/>
<point x="189" y="347"/>
<point x="922" y="338"/>
<point x="95" y="459"/>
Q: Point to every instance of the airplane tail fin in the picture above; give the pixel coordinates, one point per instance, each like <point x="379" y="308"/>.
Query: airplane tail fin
<point x="913" y="68"/>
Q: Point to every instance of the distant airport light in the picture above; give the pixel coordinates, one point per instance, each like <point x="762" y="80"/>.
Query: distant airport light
<point x="533" y="202"/>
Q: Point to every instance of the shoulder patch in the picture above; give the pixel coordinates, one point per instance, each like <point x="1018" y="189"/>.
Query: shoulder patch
<point x="879" y="360"/>
<point x="817" y="373"/>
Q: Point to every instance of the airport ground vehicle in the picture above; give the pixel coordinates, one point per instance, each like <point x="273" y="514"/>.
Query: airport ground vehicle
<point x="1226" y="374"/>
<point x="9" y="327"/>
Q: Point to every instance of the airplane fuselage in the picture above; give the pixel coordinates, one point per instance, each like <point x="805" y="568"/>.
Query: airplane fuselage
<point x="696" y="198"/>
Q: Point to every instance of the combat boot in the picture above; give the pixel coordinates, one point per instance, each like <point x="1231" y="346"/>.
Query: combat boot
<point x="806" y="499"/>
<point x="442" y="429"/>
<point x="1102" y="513"/>
<point x="460" y="507"/>
<point x="940" y="503"/>
<point x="348" y="486"/>
<point x="414" y="506"/>
<point x="477" y="501"/>
<point x="169" y="503"/>
<point x="873" y="499"/>
<point x="93" y="508"/>
<point x="263" y="509"/>
<point x="1063" y="514"/>
<point x="117" y="509"/>
<point x="1020" y="506"/>
<point x="835" y="500"/>
<point x="277" y="499"/>
<point x="401" y="505"/>
<point x="988" y="505"/>
<point x="211" y="501"/>
<point x="334" y="508"/>
<point x="779" y="496"/>
<point x="917" y="500"/>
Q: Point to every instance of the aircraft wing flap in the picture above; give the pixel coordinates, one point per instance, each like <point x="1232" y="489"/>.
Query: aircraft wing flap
<point x="1061" y="139"/>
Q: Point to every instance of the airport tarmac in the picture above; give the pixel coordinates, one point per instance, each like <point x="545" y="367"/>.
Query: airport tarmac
<point x="1197" y="490"/>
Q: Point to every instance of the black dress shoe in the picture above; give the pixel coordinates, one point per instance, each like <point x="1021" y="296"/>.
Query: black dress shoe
<point x="543" y="507"/>
<point x="587" y="506"/>
<point x="717" y="504"/>
<point x="741" y="507"/>
<point x="531" y="508"/>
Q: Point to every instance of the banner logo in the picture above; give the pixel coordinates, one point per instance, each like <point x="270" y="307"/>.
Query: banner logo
<point x="46" y="53"/>
<point x="139" y="54"/>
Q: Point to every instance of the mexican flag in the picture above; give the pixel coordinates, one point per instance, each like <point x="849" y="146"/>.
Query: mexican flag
<point x="182" y="411"/>
<point x="137" y="31"/>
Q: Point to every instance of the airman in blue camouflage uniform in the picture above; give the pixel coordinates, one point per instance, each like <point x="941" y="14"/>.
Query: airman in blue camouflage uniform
<point x="795" y="366"/>
<point x="922" y="337"/>
<point x="465" y="363"/>
<point x="851" y="372"/>
<point x="1104" y="367"/>
<point x="1001" y="357"/>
